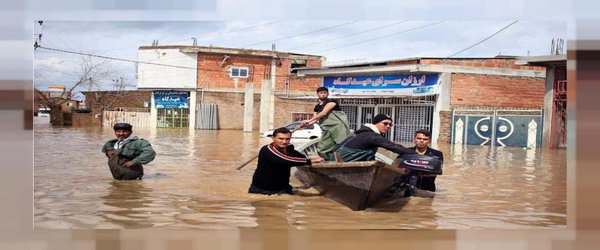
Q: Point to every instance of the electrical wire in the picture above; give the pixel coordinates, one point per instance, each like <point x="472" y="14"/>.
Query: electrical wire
<point x="310" y="32"/>
<point x="485" y="39"/>
<point x="381" y="37"/>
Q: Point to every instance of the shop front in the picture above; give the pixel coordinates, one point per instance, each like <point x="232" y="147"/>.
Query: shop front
<point x="410" y="99"/>
<point x="172" y="109"/>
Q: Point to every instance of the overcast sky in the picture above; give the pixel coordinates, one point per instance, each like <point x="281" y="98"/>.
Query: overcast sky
<point x="339" y="41"/>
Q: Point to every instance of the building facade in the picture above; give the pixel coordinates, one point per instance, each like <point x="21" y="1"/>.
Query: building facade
<point x="484" y="101"/>
<point x="555" y="97"/>
<point x="210" y="87"/>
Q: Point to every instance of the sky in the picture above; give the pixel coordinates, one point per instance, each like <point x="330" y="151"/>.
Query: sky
<point x="341" y="42"/>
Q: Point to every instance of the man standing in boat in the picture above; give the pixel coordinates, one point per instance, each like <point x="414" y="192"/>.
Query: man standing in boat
<point x="421" y="140"/>
<point x="127" y="153"/>
<point x="333" y="122"/>
<point x="363" y="145"/>
<point x="275" y="160"/>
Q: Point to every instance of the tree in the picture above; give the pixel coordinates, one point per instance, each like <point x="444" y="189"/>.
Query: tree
<point x="106" y="99"/>
<point x="91" y="74"/>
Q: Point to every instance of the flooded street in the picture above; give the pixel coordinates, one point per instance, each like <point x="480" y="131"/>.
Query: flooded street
<point x="193" y="183"/>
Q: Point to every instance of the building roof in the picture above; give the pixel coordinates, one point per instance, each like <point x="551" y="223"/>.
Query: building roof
<point x="229" y="51"/>
<point x="413" y="66"/>
<point x="387" y="62"/>
<point x="546" y="60"/>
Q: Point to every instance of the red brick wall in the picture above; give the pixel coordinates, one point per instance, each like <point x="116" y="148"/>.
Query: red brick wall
<point x="212" y="76"/>
<point x="96" y="100"/>
<point x="128" y="99"/>
<point x="85" y="120"/>
<point x="404" y="62"/>
<point x="309" y="84"/>
<point x="487" y="63"/>
<point x="285" y="107"/>
<point x="496" y="91"/>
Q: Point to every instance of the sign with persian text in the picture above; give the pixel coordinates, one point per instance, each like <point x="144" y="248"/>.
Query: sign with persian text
<point x="406" y="85"/>
<point x="171" y="99"/>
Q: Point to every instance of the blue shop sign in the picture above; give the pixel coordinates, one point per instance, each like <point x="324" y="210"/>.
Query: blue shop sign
<point x="413" y="84"/>
<point x="171" y="99"/>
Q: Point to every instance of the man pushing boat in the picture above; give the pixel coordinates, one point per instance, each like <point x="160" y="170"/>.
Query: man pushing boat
<point x="275" y="160"/>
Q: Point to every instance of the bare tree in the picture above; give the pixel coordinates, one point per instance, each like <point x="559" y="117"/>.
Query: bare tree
<point x="106" y="99"/>
<point x="92" y="74"/>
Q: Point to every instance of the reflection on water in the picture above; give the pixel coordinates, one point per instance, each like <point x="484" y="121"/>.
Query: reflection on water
<point x="192" y="184"/>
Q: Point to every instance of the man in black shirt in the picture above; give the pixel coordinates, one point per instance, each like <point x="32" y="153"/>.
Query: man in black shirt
<point x="333" y="122"/>
<point x="421" y="140"/>
<point x="275" y="160"/>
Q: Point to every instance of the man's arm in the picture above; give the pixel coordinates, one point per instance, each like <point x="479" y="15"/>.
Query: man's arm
<point x="380" y="141"/>
<point x="281" y="159"/>
<point x="108" y="148"/>
<point x="328" y="107"/>
<point x="147" y="154"/>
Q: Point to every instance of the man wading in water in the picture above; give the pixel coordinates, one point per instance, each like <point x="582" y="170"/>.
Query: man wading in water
<point x="332" y="120"/>
<point x="275" y="160"/>
<point x="127" y="153"/>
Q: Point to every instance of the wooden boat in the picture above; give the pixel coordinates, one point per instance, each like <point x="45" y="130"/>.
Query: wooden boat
<point x="357" y="185"/>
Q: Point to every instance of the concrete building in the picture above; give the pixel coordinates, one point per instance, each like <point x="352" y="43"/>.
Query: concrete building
<point x="485" y="101"/>
<point x="555" y="97"/>
<point x="222" y="88"/>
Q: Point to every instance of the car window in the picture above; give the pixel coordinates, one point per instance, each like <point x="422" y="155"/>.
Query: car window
<point x="294" y="124"/>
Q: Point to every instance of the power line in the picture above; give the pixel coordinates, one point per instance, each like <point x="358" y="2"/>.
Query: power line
<point x="113" y="58"/>
<point x="506" y="27"/>
<point x="135" y="61"/>
<point x="205" y="37"/>
<point x="381" y="37"/>
<point x="310" y="32"/>
<point x="354" y="34"/>
<point x="241" y="29"/>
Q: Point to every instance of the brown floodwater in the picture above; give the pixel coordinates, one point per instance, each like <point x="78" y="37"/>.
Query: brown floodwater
<point x="193" y="183"/>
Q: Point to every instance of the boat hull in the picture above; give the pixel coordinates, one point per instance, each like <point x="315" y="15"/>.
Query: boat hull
<point x="357" y="185"/>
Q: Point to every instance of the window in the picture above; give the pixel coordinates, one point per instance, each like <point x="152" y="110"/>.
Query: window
<point x="238" y="72"/>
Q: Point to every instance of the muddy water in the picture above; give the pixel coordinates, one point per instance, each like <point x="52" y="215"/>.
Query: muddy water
<point x="192" y="184"/>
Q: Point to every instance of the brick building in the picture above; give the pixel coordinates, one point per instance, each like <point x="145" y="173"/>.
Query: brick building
<point x="555" y="97"/>
<point x="205" y="87"/>
<point x="99" y="101"/>
<point x="486" y="101"/>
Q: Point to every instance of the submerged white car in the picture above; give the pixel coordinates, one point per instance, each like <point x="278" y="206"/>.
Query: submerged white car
<point x="309" y="132"/>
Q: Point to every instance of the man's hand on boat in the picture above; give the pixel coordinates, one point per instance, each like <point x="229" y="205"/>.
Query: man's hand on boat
<point x="316" y="160"/>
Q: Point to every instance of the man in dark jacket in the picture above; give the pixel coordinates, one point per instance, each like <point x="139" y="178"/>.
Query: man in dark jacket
<point x="275" y="160"/>
<point x="363" y="145"/>
<point x="127" y="153"/>
<point x="421" y="140"/>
